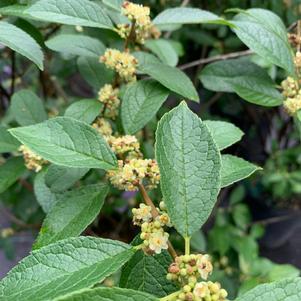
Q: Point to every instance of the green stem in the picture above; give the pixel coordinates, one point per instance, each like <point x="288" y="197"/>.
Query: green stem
<point x="187" y="245"/>
<point x="170" y="297"/>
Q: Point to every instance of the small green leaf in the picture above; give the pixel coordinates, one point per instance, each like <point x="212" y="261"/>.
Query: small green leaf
<point x="284" y="290"/>
<point x="45" y="197"/>
<point x="187" y="15"/>
<point x="164" y="50"/>
<point x="10" y="172"/>
<point x="148" y="274"/>
<point x="94" y="73"/>
<point x="85" y="110"/>
<point x="75" y="44"/>
<point x="224" y="133"/>
<point x="170" y="77"/>
<point x="70" y="12"/>
<point x="189" y="163"/>
<point x="71" y="214"/>
<point x="67" y="142"/>
<point x="140" y="103"/>
<point x="235" y="169"/>
<point x="7" y="142"/>
<point x="27" y="108"/>
<point x="264" y="32"/>
<point x="109" y="294"/>
<point x="243" y="77"/>
<point x="60" y="178"/>
<point x="21" y="42"/>
<point x="64" y="267"/>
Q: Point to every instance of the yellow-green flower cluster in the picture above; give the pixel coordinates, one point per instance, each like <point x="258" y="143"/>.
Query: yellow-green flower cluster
<point x="140" y="17"/>
<point x="103" y="126"/>
<point x="125" y="146"/>
<point x="32" y="161"/>
<point x="292" y="93"/>
<point x="155" y="239"/>
<point x="297" y="59"/>
<point x="187" y="270"/>
<point x="134" y="171"/>
<point x="290" y="87"/>
<point x="109" y="97"/>
<point x="122" y="62"/>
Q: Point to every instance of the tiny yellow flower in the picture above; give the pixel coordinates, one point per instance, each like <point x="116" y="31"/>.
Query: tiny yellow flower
<point x="204" y="266"/>
<point x="201" y="290"/>
<point x="32" y="160"/>
<point x="158" y="241"/>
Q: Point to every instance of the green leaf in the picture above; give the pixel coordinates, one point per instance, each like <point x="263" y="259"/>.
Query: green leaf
<point x="189" y="163"/>
<point x="27" y="108"/>
<point x="148" y="274"/>
<point x="187" y="15"/>
<point x="284" y="290"/>
<point x="95" y="73"/>
<point x="243" y="77"/>
<point x="75" y="44"/>
<point x="170" y="77"/>
<point x="140" y="103"/>
<point x="70" y="12"/>
<point x="224" y="133"/>
<point x="235" y="169"/>
<point x="282" y="271"/>
<point x="60" y="178"/>
<point x="71" y="214"/>
<point x="164" y="50"/>
<point x="85" y="110"/>
<point x="10" y="171"/>
<point x="109" y="294"/>
<point x="64" y="267"/>
<point x="7" y="142"/>
<point x="21" y="42"/>
<point x="264" y="33"/>
<point x="67" y="142"/>
<point x="45" y="197"/>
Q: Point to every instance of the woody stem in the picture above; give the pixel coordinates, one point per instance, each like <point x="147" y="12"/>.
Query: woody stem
<point x="155" y="213"/>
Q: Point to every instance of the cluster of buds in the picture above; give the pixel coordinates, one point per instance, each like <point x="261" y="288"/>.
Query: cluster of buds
<point x="103" y="126"/>
<point x="155" y="239"/>
<point x="125" y="146"/>
<point x="122" y="62"/>
<point x="291" y="92"/>
<point x="109" y="97"/>
<point x="141" y="28"/>
<point x="186" y="270"/>
<point x="132" y="172"/>
<point x="223" y="264"/>
<point x="297" y="59"/>
<point x="32" y="161"/>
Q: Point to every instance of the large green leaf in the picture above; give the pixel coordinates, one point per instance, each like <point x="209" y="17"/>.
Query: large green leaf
<point x="264" y="33"/>
<point x="187" y="15"/>
<point x="27" y="108"/>
<point x="235" y="169"/>
<point x="164" y="50"/>
<point x="284" y="290"/>
<point x="70" y="12"/>
<point x="243" y="77"/>
<point x="64" y="267"/>
<point x="45" y="197"/>
<point x="21" y="42"/>
<point x="72" y="213"/>
<point x="85" y="110"/>
<point x="170" y="77"/>
<point x="148" y="274"/>
<point x="61" y="178"/>
<point x="224" y="133"/>
<point x="95" y="73"/>
<point x="140" y="103"/>
<point x="108" y="294"/>
<point x="10" y="171"/>
<point x="76" y="44"/>
<point x="67" y="142"/>
<point x="7" y="142"/>
<point x="189" y="162"/>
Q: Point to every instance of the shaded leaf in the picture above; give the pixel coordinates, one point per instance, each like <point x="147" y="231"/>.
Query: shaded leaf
<point x="7" y="142"/>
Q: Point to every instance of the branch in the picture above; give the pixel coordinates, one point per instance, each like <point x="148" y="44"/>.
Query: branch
<point x="216" y="58"/>
<point x="155" y="213"/>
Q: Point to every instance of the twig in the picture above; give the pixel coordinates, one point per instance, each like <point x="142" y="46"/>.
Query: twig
<point x="131" y="35"/>
<point x="211" y="101"/>
<point x="216" y="58"/>
<point x="155" y="213"/>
